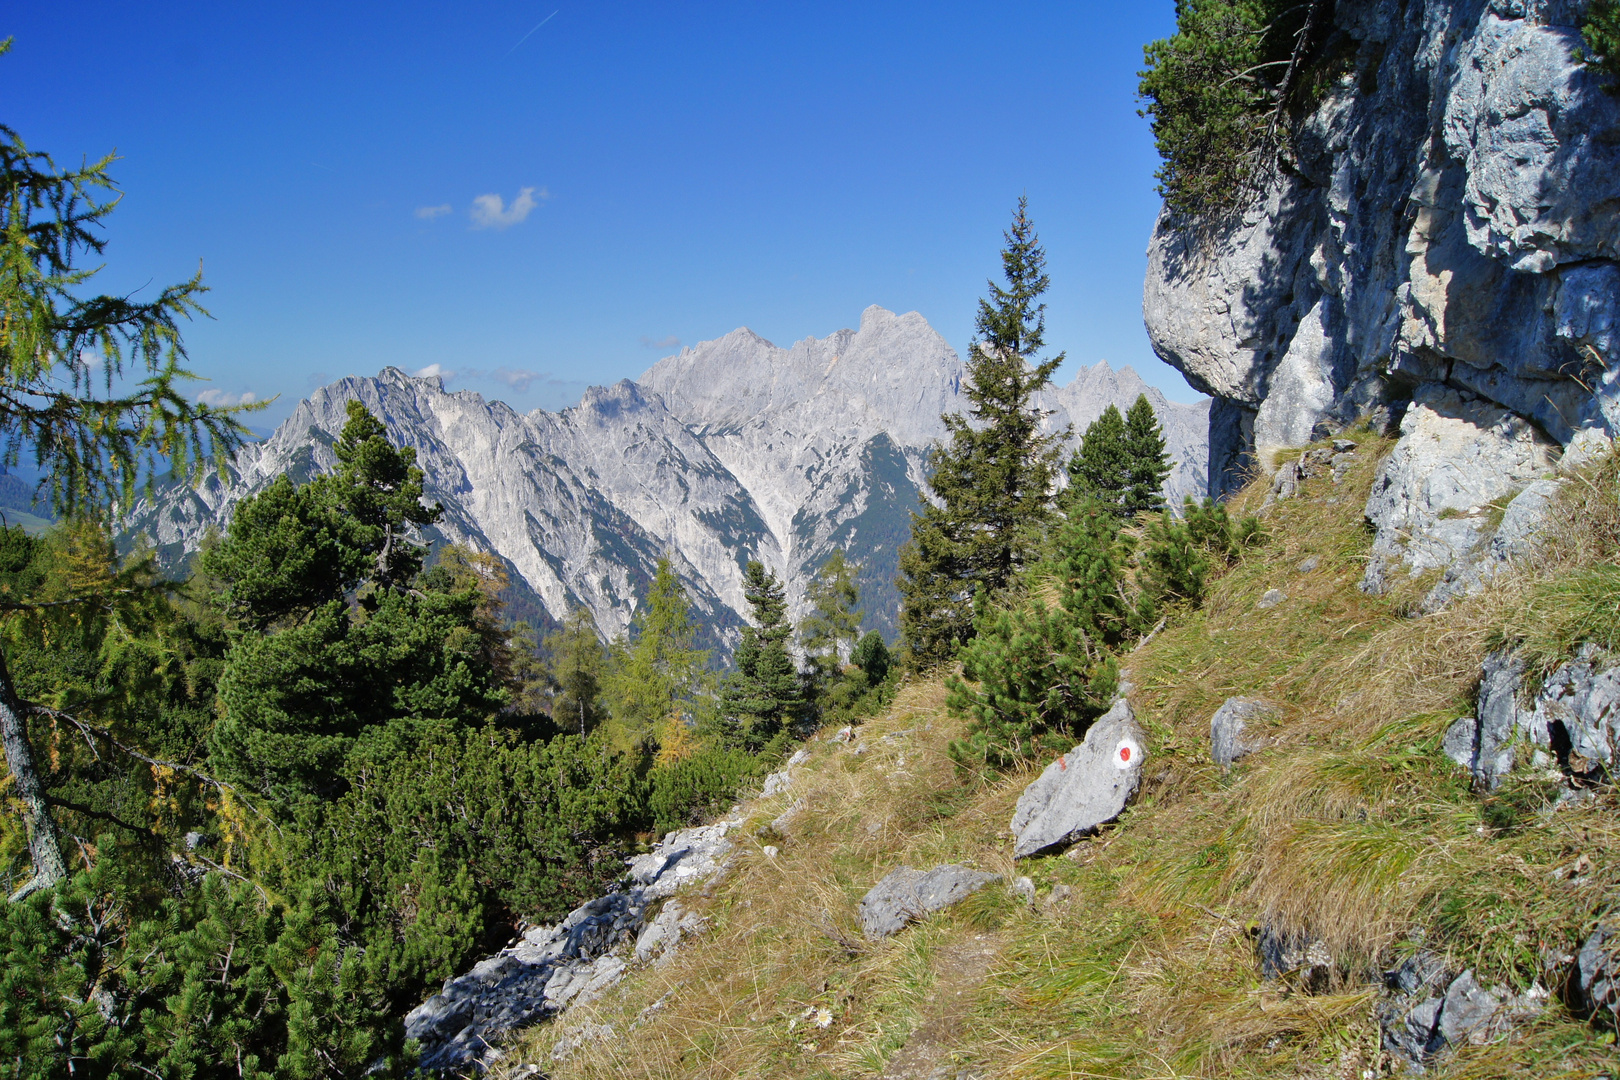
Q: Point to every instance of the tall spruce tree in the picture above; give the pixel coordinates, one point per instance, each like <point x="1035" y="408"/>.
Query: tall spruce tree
<point x="1099" y="469"/>
<point x="1147" y="463"/>
<point x="991" y="483"/>
<point x="762" y="696"/>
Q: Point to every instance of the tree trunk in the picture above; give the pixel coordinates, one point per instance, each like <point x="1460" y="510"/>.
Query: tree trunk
<point x="43" y="843"/>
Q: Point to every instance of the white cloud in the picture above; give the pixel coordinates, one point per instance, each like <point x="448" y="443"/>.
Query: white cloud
<point x="491" y="211"/>
<point x="516" y="378"/>
<point x="434" y="371"/>
<point x="428" y="213"/>
<point x="670" y="342"/>
<point x="219" y="399"/>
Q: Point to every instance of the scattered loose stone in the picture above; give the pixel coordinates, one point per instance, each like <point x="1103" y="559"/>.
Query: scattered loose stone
<point x="1271" y="599"/>
<point x="905" y="895"/>
<point x="1227" y="740"/>
<point x="1597" y="968"/>
<point x="1087" y="787"/>
<point x="1024" y="888"/>
<point x="1309" y="564"/>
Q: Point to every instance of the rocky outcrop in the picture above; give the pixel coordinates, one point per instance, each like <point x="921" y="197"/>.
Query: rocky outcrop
<point x="1429" y="1008"/>
<point x="1597" y="973"/>
<point x="1570" y="722"/>
<point x="553" y="967"/>
<point x="1458" y="458"/>
<point x="731" y="450"/>
<point x="1087" y="787"/>
<point x="906" y="895"/>
<point x="1446" y="227"/>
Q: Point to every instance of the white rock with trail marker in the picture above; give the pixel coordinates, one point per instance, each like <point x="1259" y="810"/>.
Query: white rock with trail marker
<point x="1087" y="787"/>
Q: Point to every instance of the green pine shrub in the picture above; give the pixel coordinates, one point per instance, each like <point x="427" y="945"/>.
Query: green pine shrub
<point x="1037" y="673"/>
<point x="1216" y="92"/>
<point x="1181" y="557"/>
<point x="1600" y="34"/>
<point x="699" y="786"/>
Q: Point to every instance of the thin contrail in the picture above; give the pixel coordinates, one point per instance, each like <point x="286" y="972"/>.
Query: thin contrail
<point x="530" y="34"/>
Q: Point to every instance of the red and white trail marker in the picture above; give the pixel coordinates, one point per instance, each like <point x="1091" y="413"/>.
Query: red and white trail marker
<point x="1127" y="755"/>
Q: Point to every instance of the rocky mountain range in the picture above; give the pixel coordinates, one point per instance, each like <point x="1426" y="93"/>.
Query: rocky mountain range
<point x="731" y="450"/>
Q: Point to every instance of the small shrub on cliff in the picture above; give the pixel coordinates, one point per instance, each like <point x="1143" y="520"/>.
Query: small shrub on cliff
<point x="1215" y="91"/>
<point x="1601" y="35"/>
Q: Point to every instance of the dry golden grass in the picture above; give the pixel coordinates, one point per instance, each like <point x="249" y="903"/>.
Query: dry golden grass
<point x="1348" y="827"/>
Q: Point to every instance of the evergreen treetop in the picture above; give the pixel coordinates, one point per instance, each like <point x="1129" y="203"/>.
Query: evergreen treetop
<point x="1120" y="464"/>
<point x="761" y="697"/>
<point x="1147" y="463"/>
<point x="1099" y="469"/>
<point x="992" y="481"/>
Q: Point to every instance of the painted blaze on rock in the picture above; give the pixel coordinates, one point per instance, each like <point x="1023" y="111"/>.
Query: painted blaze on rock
<point x="1087" y="787"/>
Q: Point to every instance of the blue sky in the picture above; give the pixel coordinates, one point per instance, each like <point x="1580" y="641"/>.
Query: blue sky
<point x="412" y="184"/>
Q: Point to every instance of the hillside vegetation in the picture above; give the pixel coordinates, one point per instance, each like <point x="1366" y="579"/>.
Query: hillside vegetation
<point x="1138" y="957"/>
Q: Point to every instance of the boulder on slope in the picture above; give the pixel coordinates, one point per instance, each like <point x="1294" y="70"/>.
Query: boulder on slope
<point x="905" y="895"/>
<point x="1227" y="738"/>
<point x="1087" y="787"/>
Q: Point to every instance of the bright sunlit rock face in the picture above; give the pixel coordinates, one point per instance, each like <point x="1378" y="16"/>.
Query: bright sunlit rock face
<point x="1450" y="216"/>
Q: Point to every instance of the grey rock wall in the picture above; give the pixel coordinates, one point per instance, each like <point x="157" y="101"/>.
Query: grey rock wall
<point x="1450" y="217"/>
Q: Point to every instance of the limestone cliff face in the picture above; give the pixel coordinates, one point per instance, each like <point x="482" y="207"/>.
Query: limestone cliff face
<point x="732" y="450"/>
<point x="1449" y="223"/>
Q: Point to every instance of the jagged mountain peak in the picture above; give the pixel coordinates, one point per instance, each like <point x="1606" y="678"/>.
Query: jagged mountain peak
<point x="733" y="449"/>
<point x="895" y="373"/>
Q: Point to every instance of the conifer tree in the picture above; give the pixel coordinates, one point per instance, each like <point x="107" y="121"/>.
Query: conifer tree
<point x="1037" y="674"/>
<point x="1099" y="469"/>
<point x="830" y="631"/>
<point x="991" y="483"/>
<point x="1147" y="463"/>
<point x="762" y="696"/>
<point x="66" y="364"/>
<point x="336" y="632"/>
<point x="657" y="671"/>
<point x="577" y="662"/>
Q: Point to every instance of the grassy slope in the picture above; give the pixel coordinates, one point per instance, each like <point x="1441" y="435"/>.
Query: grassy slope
<point x="1350" y="826"/>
